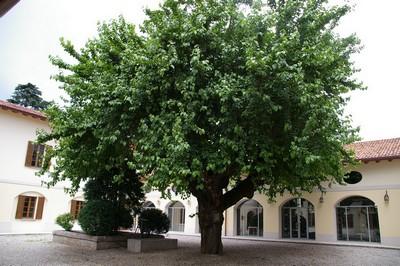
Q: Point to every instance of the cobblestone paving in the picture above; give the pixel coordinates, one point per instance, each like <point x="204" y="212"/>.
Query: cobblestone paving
<point x="39" y="250"/>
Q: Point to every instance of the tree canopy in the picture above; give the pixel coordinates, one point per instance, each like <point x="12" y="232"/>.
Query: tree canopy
<point x="28" y="95"/>
<point x="218" y="98"/>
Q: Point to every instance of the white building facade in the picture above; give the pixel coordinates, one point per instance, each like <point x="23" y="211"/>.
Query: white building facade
<point x="27" y="206"/>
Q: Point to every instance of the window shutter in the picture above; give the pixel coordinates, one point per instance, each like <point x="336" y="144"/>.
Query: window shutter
<point x="29" y="154"/>
<point x="39" y="210"/>
<point x="73" y="208"/>
<point x="20" y="207"/>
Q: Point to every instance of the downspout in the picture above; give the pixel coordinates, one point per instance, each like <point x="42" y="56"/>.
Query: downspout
<point x="225" y="212"/>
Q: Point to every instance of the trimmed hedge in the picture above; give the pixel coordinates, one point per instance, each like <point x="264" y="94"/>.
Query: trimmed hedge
<point x="153" y="221"/>
<point x="102" y="217"/>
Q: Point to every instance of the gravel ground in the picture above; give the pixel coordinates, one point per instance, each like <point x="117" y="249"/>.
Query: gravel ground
<point x="39" y="250"/>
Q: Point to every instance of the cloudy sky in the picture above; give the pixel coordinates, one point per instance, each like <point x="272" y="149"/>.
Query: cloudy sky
<point x="30" y="32"/>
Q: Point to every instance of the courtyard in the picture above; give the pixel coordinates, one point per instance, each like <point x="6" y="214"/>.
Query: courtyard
<point x="40" y="250"/>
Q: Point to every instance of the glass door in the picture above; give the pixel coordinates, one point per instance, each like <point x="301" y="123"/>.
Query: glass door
<point x="298" y="220"/>
<point x="294" y="221"/>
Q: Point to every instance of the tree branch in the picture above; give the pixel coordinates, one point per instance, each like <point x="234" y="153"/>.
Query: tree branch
<point x="245" y="188"/>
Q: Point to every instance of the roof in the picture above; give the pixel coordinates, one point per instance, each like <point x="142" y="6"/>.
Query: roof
<point x="6" y="5"/>
<point x="376" y="150"/>
<point x="22" y="110"/>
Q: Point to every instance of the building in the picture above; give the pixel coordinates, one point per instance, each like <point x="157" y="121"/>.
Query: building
<point x="365" y="210"/>
<point x="26" y="205"/>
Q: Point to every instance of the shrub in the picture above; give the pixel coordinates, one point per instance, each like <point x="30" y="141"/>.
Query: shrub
<point x="125" y="218"/>
<point x="153" y="221"/>
<point x="66" y="221"/>
<point x="102" y="217"/>
<point x="127" y="191"/>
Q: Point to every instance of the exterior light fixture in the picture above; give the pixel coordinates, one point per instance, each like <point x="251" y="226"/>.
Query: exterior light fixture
<point x="321" y="199"/>
<point x="386" y="197"/>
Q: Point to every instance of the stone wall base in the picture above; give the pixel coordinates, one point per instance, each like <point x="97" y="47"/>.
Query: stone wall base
<point x="80" y="239"/>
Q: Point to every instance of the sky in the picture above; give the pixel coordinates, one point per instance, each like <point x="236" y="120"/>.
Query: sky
<point x="30" y="32"/>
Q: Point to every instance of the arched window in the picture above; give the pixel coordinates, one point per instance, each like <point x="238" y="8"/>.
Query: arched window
<point x="249" y="215"/>
<point x="176" y="215"/>
<point x="148" y="205"/>
<point x="357" y="220"/>
<point x="298" y="219"/>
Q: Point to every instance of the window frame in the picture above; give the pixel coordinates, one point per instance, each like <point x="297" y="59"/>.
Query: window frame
<point x="35" y="154"/>
<point x="37" y="209"/>
<point x="76" y="207"/>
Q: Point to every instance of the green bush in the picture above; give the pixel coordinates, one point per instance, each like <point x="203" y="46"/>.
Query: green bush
<point x="102" y="217"/>
<point x="127" y="191"/>
<point x="153" y="221"/>
<point x="125" y="218"/>
<point x="66" y="221"/>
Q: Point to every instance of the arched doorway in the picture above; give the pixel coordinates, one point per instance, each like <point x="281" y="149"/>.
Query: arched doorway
<point x="357" y="220"/>
<point x="249" y="215"/>
<point x="298" y="219"/>
<point x="148" y="205"/>
<point x="176" y="215"/>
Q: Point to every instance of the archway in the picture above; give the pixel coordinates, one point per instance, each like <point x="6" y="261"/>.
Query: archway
<point x="357" y="220"/>
<point x="249" y="218"/>
<point x="176" y="215"/>
<point x="148" y="205"/>
<point x="298" y="219"/>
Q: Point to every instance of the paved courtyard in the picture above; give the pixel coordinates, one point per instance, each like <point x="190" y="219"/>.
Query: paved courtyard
<point x="39" y="250"/>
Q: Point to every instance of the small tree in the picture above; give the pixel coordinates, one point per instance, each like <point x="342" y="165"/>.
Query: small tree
<point x="103" y="217"/>
<point x="28" y="95"/>
<point x="110" y="205"/>
<point x="127" y="193"/>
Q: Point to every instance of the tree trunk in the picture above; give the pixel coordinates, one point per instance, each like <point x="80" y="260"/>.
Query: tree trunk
<point x="210" y="220"/>
<point x="212" y="203"/>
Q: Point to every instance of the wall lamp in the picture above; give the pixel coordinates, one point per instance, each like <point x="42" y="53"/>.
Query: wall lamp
<point x="321" y="199"/>
<point x="386" y="197"/>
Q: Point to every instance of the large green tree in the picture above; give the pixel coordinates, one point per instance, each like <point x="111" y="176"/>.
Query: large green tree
<point x="28" y="95"/>
<point x="218" y="98"/>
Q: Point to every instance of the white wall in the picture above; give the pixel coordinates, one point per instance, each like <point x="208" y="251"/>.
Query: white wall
<point x="15" y="178"/>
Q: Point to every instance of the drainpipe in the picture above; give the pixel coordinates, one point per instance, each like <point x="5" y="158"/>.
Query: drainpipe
<point x="225" y="212"/>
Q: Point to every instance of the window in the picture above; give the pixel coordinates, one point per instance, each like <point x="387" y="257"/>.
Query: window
<point x="35" y="154"/>
<point x="176" y="215"/>
<point x="357" y="220"/>
<point x="353" y="177"/>
<point x="298" y="219"/>
<point x="148" y="205"/>
<point x="249" y="218"/>
<point x="29" y="207"/>
<point x="76" y="206"/>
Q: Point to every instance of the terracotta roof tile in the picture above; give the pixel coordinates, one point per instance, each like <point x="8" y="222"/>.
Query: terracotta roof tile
<point x="23" y="110"/>
<point x="376" y="150"/>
